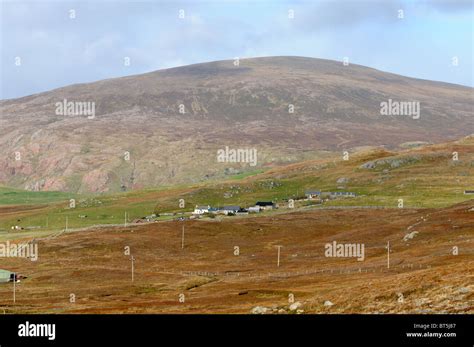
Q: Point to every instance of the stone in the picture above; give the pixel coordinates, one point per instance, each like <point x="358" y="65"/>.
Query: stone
<point x="342" y="180"/>
<point x="295" y="306"/>
<point x="259" y="310"/>
<point x="410" y="236"/>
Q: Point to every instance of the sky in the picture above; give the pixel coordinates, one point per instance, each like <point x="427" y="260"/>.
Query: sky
<point x="51" y="44"/>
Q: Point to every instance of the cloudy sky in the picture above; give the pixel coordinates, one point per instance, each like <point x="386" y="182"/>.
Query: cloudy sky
<point x="43" y="48"/>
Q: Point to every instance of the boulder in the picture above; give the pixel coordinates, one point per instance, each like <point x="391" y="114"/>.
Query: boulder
<point x="342" y="180"/>
<point x="410" y="236"/>
<point x="295" y="306"/>
<point x="259" y="310"/>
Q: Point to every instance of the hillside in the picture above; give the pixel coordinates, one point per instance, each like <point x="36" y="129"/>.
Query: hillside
<point x="424" y="177"/>
<point x="424" y="276"/>
<point x="336" y="108"/>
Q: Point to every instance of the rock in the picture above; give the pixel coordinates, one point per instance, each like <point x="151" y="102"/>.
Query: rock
<point x="342" y="180"/>
<point x="463" y="306"/>
<point x="281" y="310"/>
<point x="299" y="311"/>
<point x="422" y="302"/>
<point x="231" y="171"/>
<point x="369" y="165"/>
<point x="392" y="162"/>
<point x="259" y="310"/>
<point x="295" y="306"/>
<point x="328" y="303"/>
<point x="464" y="290"/>
<point x="410" y="236"/>
<point x="414" y="144"/>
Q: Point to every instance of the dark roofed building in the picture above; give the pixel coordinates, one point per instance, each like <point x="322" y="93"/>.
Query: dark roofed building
<point x="265" y="205"/>
<point x="230" y="209"/>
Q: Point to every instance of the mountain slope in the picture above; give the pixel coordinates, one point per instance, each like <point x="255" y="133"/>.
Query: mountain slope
<point x="336" y="107"/>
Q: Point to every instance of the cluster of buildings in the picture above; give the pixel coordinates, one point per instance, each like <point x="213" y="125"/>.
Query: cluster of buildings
<point x="317" y="194"/>
<point x="234" y="209"/>
<point x="264" y="205"/>
<point x="231" y="210"/>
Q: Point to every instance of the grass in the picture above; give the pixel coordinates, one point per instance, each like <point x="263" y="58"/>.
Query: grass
<point x="247" y="174"/>
<point x="10" y="196"/>
<point x="92" y="265"/>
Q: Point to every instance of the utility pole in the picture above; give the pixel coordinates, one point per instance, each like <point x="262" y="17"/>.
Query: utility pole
<point x="388" y="254"/>
<point x="278" y="261"/>
<point x="14" y="288"/>
<point x="133" y="267"/>
<point x="125" y="220"/>
<point x="66" y="222"/>
<point x="182" y="238"/>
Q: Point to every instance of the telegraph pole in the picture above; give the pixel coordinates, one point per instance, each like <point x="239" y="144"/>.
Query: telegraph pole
<point x="388" y="254"/>
<point x="14" y="287"/>
<point x="182" y="238"/>
<point x="278" y="260"/>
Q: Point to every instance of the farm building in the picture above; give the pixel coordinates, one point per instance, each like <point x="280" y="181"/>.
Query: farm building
<point x="201" y="209"/>
<point x="230" y="209"/>
<point x="469" y="192"/>
<point x="265" y="205"/>
<point x="242" y="211"/>
<point x="6" y="276"/>
<point x="254" y="209"/>
<point x="312" y="194"/>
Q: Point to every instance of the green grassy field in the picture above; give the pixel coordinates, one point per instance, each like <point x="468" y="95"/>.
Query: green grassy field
<point x="9" y="196"/>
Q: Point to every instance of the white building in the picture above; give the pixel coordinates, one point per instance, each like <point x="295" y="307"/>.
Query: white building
<point x="201" y="209"/>
<point x="230" y="209"/>
<point x="254" y="209"/>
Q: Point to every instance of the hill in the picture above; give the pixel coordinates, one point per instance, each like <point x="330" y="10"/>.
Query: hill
<point x="336" y="108"/>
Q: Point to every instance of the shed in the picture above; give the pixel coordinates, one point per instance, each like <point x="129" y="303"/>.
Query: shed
<point x="265" y="205"/>
<point x="6" y="276"/>
<point x="231" y="209"/>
